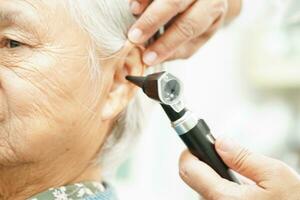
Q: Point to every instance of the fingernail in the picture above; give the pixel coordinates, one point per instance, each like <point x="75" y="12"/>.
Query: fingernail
<point x="150" y="57"/>
<point x="227" y="145"/>
<point x="135" y="35"/>
<point x="135" y="7"/>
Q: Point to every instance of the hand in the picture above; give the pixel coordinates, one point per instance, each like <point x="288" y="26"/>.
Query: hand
<point x="193" y="22"/>
<point x="272" y="179"/>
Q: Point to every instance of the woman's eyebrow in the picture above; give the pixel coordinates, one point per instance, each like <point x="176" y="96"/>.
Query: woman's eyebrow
<point x="8" y="15"/>
<point x="15" y="18"/>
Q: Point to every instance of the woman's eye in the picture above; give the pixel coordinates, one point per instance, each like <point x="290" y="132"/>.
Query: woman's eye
<point x="14" y="44"/>
<point x="11" y="44"/>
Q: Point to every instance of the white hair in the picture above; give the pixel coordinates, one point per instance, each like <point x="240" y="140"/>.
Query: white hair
<point x="107" y="22"/>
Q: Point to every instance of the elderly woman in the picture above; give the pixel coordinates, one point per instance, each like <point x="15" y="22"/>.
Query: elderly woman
<point x="58" y="105"/>
<point x="64" y="99"/>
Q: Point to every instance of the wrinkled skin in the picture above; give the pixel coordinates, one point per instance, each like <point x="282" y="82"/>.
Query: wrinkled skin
<point x="53" y="121"/>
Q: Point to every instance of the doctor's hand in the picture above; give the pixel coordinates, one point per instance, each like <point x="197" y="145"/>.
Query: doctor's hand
<point x="190" y="24"/>
<point x="271" y="179"/>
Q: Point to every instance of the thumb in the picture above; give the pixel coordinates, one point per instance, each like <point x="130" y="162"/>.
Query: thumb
<point x="254" y="166"/>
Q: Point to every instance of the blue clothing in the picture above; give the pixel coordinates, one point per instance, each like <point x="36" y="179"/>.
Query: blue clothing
<point x="78" y="191"/>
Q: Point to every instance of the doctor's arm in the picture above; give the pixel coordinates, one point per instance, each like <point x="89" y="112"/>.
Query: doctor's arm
<point x="267" y="178"/>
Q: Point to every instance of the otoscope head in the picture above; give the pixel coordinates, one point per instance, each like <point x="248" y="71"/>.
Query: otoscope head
<point x="162" y="87"/>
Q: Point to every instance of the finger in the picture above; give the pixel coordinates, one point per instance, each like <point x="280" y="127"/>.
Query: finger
<point x="194" y="22"/>
<point x="138" y="6"/>
<point x="156" y="15"/>
<point x="202" y="178"/>
<point x="254" y="166"/>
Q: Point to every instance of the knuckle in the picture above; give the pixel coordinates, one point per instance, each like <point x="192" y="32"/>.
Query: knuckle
<point x="149" y="20"/>
<point x="183" y="169"/>
<point x="166" y="47"/>
<point x="185" y="28"/>
<point x="183" y="175"/>
<point x="183" y="172"/>
<point x="241" y="158"/>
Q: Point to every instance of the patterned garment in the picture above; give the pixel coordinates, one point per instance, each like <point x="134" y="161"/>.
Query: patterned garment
<point x="79" y="191"/>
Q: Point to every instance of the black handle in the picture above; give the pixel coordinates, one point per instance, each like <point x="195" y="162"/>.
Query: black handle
<point x="200" y="142"/>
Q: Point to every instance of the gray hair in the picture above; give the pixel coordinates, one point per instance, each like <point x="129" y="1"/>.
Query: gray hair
<point x="107" y="22"/>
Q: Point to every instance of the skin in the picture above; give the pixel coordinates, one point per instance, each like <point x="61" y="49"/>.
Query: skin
<point x="191" y="23"/>
<point x="264" y="178"/>
<point x="54" y="118"/>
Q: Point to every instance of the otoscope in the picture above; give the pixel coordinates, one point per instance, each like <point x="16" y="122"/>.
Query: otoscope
<point x="167" y="90"/>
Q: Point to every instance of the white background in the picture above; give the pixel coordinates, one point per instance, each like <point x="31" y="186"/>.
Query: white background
<point x="223" y="87"/>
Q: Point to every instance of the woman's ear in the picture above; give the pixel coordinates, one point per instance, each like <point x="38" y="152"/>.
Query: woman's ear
<point x="128" y="62"/>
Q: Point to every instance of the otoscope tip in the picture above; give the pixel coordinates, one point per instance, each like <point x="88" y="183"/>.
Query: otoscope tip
<point x="137" y="80"/>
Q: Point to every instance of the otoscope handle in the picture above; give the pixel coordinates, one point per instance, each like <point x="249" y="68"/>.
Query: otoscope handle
<point x="201" y="144"/>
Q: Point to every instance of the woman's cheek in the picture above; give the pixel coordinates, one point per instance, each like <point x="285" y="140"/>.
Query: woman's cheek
<point x="3" y="103"/>
<point x="20" y="96"/>
<point x="31" y="113"/>
<point x="38" y="83"/>
<point x="39" y="98"/>
<point x="20" y="115"/>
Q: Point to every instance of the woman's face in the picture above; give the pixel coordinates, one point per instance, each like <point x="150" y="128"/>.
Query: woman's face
<point x="46" y="90"/>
